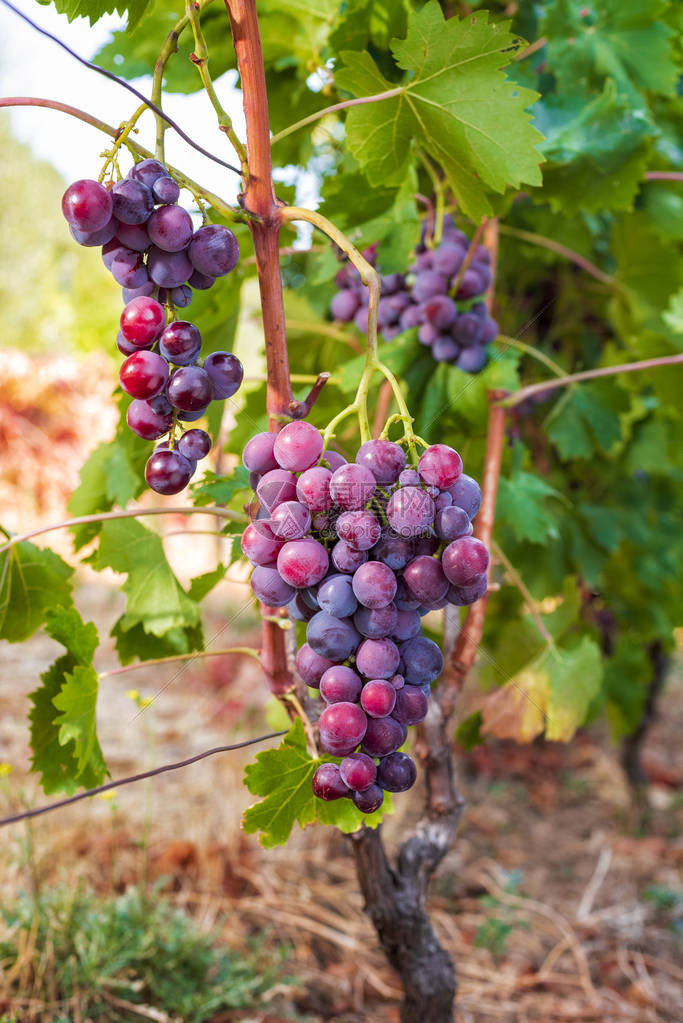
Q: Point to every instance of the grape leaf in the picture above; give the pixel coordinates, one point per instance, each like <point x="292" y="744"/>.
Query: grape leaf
<point x="283" y="776"/>
<point x="203" y="584"/>
<point x="587" y="419"/>
<point x="522" y="504"/>
<point x="136" y="644"/>
<point x="32" y="580"/>
<point x="155" y="598"/>
<point x="468" y="733"/>
<point x="213" y="489"/>
<point x="96" y="9"/>
<point x="452" y="103"/>
<point x="77" y="723"/>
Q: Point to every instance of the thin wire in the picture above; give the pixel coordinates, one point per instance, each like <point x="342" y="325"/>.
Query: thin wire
<point x="4" y="821"/>
<point x="120" y="81"/>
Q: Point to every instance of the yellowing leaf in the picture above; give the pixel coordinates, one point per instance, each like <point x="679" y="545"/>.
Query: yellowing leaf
<point x="517" y="709"/>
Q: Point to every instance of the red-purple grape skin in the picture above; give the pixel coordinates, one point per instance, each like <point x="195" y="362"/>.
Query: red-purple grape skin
<point x="275" y="487"/>
<point x="451" y="522"/>
<point x="336" y="596"/>
<point x="310" y="665"/>
<point x="132" y="201"/>
<point x="463" y="596"/>
<point x="328" y="784"/>
<point x="226" y="372"/>
<point x="180" y="343"/>
<point x="408" y="625"/>
<point x="422" y="659"/>
<point x="195" y="444"/>
<point x="464" y="560"/>
<point x="377" y="658"/>
<point x="168" y="269"/>
<point x="260" y="545"/>
<point x="336" y="638"/>
<point x="334" y="459"/>
<point x="290" y="520"/>
<point x="342" y="727"/>
<point x="313" y="488"/>
<point x="440" y="466"/>
<point x="190" y="388"/>
<point x="425" y="578"/>
<point x="167" y="472"/>
<point x="374" y="584"/>
<point x="214" y="250"/>
<point x="344" y="305"/>
<point x="360" y="529"/>
<point x="133" y="236"/>
<point x="303" y="562"/>
<point x="298" y="446"/>
<point x="340" y="684"/>
<point x="91" y="239"/>
<point x="466" y="494"/>
<point x="352" y="486"/>
<point x="395" y="551"/>
<point x="170" y="228"/>
<point x="411" y="705"/>
<point x="142" y="321"/>
<point x="165" y="190"/>
<point x="396" y="772"/>
<point x="269" y="587"/>
<point x="144" y="374"/>
<point x="369" y="800"/>
<point x="358" y="771"/>
<point x="148" y="171"/>
<point x="127" y="347"/>
<point x="376" y="623"/>
<point x="410" y="511"/>
<point x="347" y="559"/>
<point x="383" y="736"/>
<point x="87" y="205"/>
<point x="378" y="698"/>
<point x="383" y="458"/>
<point x="258" y="453"/>
<point x="128" y="268"/>
<point x="147" y="423"/>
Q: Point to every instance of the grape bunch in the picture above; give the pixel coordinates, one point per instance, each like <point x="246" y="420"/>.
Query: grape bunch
<point x="360" y="551"/>
<point x="436" y="297"/>
<point x="150" y="247"/>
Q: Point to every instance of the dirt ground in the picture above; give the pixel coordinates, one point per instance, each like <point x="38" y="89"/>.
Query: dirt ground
<point x="557" y="901"/>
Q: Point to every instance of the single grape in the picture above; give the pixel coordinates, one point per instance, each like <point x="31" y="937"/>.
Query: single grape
<point x="133" y="236"/>
<point x="427" y="334"/>
<point x="310" y="595"/>
<point x="429" y="283"/>
<point x="334" y="459"/>
<point x="190" y="388"/>
<point x="181" y="296"/>
<point x="290" y="520"/>
<point x="126" y="347"/>
<point x="340" y="684"/>
<point x="377" y="658"/>
<point x="275" y="487"/>
<point x="462" y="596"/>
<point x="396" y="772"/>
<point x="344" y="305"/>
<point x="383" y="458"/>
<point x="214" y="250"/>
<point x="352" y="486"/>
<point x="360" y="529"/>
<point x="444" y="500"/>
<point x="166" y="190"/>
<point x="148" y="171"/>
<point x="201" y="282"/>
<point x="170" y="228"/>
<point x="376" y="623"/>
<point x="87" y="205"/>
<point x="425" y="578"/>
<point x="332" y="637"/>
<point x="310" y="665"/>
<point x="465" y="559"/>
<point x="299" y="610"/>
<point x="440" y="466"/>
<point x="143" y="375"/>
<point x="358" y="771"/>
<point x="374" y="584"/>
<point x="226" y="372"/>
<point x="410" y="511"/>
<point x="313" y="488"/>
<point x="336" y="596"/>
<point x="347" y="559"/>
<point x="378" y="698"/>
<point x="489" y="331"/>
<point x="180" y="343"/>
<point x="269" y="587"/>
<point x="451" y="522"/>
<point x="128" y="294"/>
<point x="409" y="478"/>
<point x="445" y="349"/>
<point x="168" y="269"/>
<point x="191" y="417"/>
<point x="167" y="472"/>
<point x="132" y="201"/>
<point x="467" y="329"/>
<point x="327" y="783"/>
<point x="422" y="659"/>
<point x="128" y="268"/>
<point x="408" y="625"/>
<point x="195" y="444"/>
<point x="397" y="681"/>
<point x="91" y="239"/>
<point x="303" y="562"/>
<point x="427" y="544"/>
<point x="369" y="800"/>
<point x="147" y="423"/>
<point x="298" y="446"/>
<point x="404" y="599"/>
<point x="383" y="736"/>
<point x="440" y="312"/>
<point x="411" y="705"/>
<point x="395" y="551"/>
<point x="258" y="453"/>
<point x="473" y="283"/>
<point x="448" y="259"/>
<point x="260" y="544"/>
<point x="342" y="727"/>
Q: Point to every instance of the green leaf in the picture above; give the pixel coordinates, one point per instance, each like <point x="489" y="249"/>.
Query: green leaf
<point x="77" y="723"/>
<point x="65" y="625"/>
<point x="455" y="103"/>
<point x="283" y="777"/>
<point x="32" y="580"/>
<point x="587" y="419"/>
<point x="155" y="598"/>
<point x="213" y="489"/>
<point x="522" y="504"/>
<point x="673" y="317"/>
<point x="96" y="9"/>
<point x="136" y="644"/>
<point x="468" y="733"/>
<point x="203" y="584"/>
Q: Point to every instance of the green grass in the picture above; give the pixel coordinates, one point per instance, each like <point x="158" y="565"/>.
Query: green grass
<point x="97" y="953"/>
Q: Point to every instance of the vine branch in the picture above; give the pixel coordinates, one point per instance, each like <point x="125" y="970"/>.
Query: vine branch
<point x="344" y="105"/>
<point x="246" y="650"/>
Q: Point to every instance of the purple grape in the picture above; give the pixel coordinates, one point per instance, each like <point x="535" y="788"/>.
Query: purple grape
<point x="427" y="544"/>
<point x="395" y="551"/>
<point x="201" y="282"/>
<point x="396" y="772"/>
<point x="87" y="205"/>
<point x="410" y="317"/>
<point x="328" y="784"/>
<point x="383" y="458"/>
<point x="274" y="487"/>
<point x="440" y="466"/>
<point x="342" y="727"/>
<point x="313" y="488"/>
<point x="427" y="284"/>
<point x="444" y="500"/>
<point x="358" y="771"/>
<point x="407" y="626"/>
<point x="226" y="372"/>
<point x="344" y="305"/>
<point x="181" y="296"/>
<point x="299" y="610"/>
<point x="133" y="236"/>
<point x="180" y="343"/>
<point x="451" y="522"/>
<point x="144" y="374"/>
<point x="464" y="560"/>
<point x="190" y="388"/>
<point x="378" y="698"/>
<point x="303" y="562"/>
<point x="144" y="291"/>
<point x="347" y="559"/>
<point x="369" y="800"/>
<point x="336" y="596"/>
<point x="360" y="529"/>
<point x="409" y="478"/>
<point x="298" y="446"/>
<point x="410" y="511"/>
<point x="147" y="423"/>
<point x="411" y="705"/>
<point x="195" y="444"/>
<point x="391" y="283"/>
<point x="258" y="453"/>
<point x="332" y="637"/>
<point x="441" y="312"/>
<point x="260" y="544"/>
<point x="110" y="250"/>
<point x="170" y="228"/>
<point x="269" y="587"/>
<point x="445" y="349"/>
<point x="91" y="239"/>
<point x="128" y="268"/>
<point x="489" y="331"/>
<point x="397" y="681"/>
<point x="377" y="658"/>
<point x="422" y="659"/>
<point x="310" y="665"/>
<point x="360" y="320"/>
<point x="374" y="584"/>
<point x="462" y="596"/>
<point x="334" y="459"/>
<point x="352" y="486"/>
<point x="167" y="472"/>
<point x="448" y="258"/>
<point x="214" y="250"/>
<point x="310" y="596"/>
<point x="148" y="171"/>
<point x="127" y="347"/>
<point x="404" y="599"/>
<point x="166" y="190"/>
<point x="340" y="684"/>
<point x="168" y="269"/>
<point x="190" y="417"/>
<point x="290" y="520"/>
<point x="467" y="329"/>
<point x="425" y="578"/>
<point x="427" y="334"/>
<point x="383" y="736"/>
<point x="376" y="623"/>
<point x="132" y="201"/>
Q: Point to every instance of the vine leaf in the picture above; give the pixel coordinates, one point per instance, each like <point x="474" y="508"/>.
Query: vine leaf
<point x="587" y="419"/>
<point x="66" y="751"/>
<point x="213" y="489"/>
<point x="283" y="777"/>
<point x="522" y="504"/>
<point x="455" y="103"/>
<point x="32" y="580"/>
<point x="96" y="9"/>
<point x="553" y="692"/>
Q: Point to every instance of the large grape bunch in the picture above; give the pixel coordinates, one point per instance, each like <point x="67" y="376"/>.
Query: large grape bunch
<point x="360" y="552"/>
<point x="436" y="297"/>
<point x="152" y="250"/>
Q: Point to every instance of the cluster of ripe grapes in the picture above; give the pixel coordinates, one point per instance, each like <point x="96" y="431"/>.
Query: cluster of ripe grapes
<point x="360" y="551"/>
<point x="152" y="250"/>
<point x="436" y="297"/>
